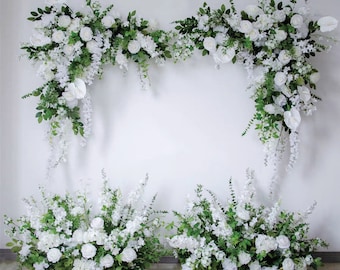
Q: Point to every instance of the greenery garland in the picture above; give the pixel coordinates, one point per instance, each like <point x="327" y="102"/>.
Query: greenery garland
<point x="273" y="40"/>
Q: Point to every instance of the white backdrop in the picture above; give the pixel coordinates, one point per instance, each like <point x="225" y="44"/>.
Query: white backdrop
<point x="183" y="132"/>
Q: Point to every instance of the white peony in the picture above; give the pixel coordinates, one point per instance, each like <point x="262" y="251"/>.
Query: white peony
<point x="284" y="57"/>
<point x="254" y="34"/>
<point x="283" y="241"/>
<point x="75" y="25"/>
<point x="58" y="36"/>
<point x="280" y="78"/>
<point x="54" y="255"/>
<point x="97" y="223"/>
<point x="108" y="21"/>
<point x="106" y="261"/>
<point x="209" y="43"/>
<point x="288" y="264"/>
<point x="128" y="255"/>
<point x="86" y="33"/>
<point x="88" y="251"/>
<point x="292" y="118"/>
<point x="304" y="93"/>
<point x="296" y="21"/>
<point x="245" y="27"/>
<point x="64" y="21"/>
<point x="265" y="243"/>
<point x="134" y="46"/>
<point x="327" y="24"/>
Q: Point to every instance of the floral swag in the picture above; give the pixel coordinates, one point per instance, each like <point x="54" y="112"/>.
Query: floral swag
<point x="273" y="40"/>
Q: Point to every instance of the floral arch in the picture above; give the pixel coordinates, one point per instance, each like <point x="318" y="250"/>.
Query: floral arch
<point x="273" y="40"/>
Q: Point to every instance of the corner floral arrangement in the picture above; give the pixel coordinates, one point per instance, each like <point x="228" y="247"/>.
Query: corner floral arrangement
<point x="64" y="232"/>
<point x="242" y="234"/>
<point x="273" y="40"/>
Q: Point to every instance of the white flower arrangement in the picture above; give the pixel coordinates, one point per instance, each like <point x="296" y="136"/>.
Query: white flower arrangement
<point x="63" y="232"/>
<point x="272" y="40"/>
<point x="241" y="234"/>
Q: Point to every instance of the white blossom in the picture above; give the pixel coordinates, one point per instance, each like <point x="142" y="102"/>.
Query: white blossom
<point x="292" y="118"/>
<point x="88" y="251"/>
<point x="288" y="264"/>
<point x="86" y="33"/>
<point x="296" y="21"/>
<point x="327" y="23"/>
<point x="54" y="255"/>
<point x="134" y="46"/>
<point x="209" y="43"/>
<point x="128" y="255"/>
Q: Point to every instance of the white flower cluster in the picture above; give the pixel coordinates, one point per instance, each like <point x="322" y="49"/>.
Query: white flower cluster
<point x="62" y="232"/>
<point x="211" y="235"/>
<point x="274" y="42"/>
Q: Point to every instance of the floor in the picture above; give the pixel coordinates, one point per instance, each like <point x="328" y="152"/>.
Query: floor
<point x="162" y="266"/>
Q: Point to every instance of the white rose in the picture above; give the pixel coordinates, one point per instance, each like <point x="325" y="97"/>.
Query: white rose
<point x="97" y="223"/>
<point x="280" y="35"/>
<point x="327" y="24"/>
<point x="134" y="46"/>
<point x="75" y="25"/>
<point x="255" y="266"/>
<point x="288" y="264"/>
<point x="64" y="21"/>
<point x="244" y="258"/>
<point x="106" y="261"/>
<point x="253" y="11"/>
<point x="245" y="27"/>
<point x="283" y="241"/>
<point x="264" y="22"/>
<point x="314" y="77"/>
<point x="292" y="118"/>
<point x="254" y="34"/>
<point x="273" y="109"/>
<point x="279" y="15"/>
<point x="39" y="39"/>
<point x="296" y="21"/>
<point x="93" y="47"/>
<point x="108" y="21"/>
<point x="68" y="49"/>
<point x="228" y="264"/>
<point x="304" y="93"/>
<point x="280" y="78"/>
<point x="53" y="255"/>
<point x="58" y="36"/>
<point x="88" y="251"/>
<point x="223" y="55"/>
<point x="209" y="43"/>
<point x="128" y="255"/>
<point x="86" y="33"/>
<point x="77" y="236"/>
<point x="284" y="57"/>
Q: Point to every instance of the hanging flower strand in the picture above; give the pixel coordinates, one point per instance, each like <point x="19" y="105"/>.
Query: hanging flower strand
<point x="274" y="42"/>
